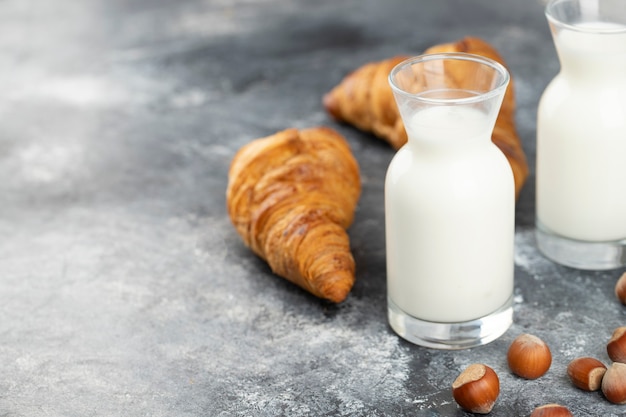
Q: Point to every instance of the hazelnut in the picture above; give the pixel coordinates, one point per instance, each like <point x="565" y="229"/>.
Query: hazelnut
<point x="476" y="389"/>
<point x="620" y="289"/>
<point x="614" y="383"/>
<point x="551" y="410"/>
<point x="616" y="348"/>
<point x="529" y="357"/>
<point x="586" y="373"/>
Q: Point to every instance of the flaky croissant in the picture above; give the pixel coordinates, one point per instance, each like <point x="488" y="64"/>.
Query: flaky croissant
<point x="364" y="99"/>
<point x="291" y="196"/>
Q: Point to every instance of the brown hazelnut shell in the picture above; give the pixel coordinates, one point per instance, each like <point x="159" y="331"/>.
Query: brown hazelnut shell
<point x="529" y="357"/>
<point x="586" y="373"/>
<point x="476" y="389"/>
<point x="616" y="347"/>
<point x="614" y="383"/>
<point x="551" y="410"/>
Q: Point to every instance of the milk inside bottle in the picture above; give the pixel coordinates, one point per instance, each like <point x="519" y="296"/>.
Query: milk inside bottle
<point x="581" y="138"/>
<point x="449" y="209"/>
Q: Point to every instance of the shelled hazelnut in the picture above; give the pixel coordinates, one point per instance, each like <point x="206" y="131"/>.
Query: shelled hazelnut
<point x="551" y="410"/>
<point x="586" y="373"/>
<point x="614" y="383"/>
<point x="476" y="389"/>
<point x="529" y="357"/>
<point x="616" y="347"/>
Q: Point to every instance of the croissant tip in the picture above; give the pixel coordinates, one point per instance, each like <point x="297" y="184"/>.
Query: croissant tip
<point x="331" y="105"/>
<point x="337" y="296"/>
<point x="338" y="286"/>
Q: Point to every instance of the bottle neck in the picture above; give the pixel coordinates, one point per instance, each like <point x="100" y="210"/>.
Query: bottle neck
<point x="449" y="129"/>
<point x="448" y="145"/>
<point x="597" y="57"/>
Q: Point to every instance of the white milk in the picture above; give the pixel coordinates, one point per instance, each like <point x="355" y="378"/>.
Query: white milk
<point x="449" y="210"/>
<point x="581" y="138"/>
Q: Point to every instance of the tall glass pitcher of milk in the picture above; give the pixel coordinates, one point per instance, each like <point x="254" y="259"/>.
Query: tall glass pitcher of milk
<point x="449" y="205"/>
<point x="581" y="138"/>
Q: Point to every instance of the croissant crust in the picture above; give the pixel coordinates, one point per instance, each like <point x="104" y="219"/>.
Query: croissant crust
<point x="291" y="196"/>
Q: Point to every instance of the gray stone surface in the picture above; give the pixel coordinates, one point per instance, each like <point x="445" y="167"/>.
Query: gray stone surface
<point x="124" y="289"/>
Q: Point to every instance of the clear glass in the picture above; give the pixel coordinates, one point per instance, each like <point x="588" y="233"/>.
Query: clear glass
<point x="581" y="138"/>
<point x="449" y="205"/>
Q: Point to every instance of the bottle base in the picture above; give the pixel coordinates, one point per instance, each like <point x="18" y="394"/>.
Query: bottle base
<point x="580" y="254"/>
<point x="450" y="336"/>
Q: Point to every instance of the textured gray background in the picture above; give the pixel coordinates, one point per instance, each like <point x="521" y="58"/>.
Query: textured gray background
<point x="124" y="289"/>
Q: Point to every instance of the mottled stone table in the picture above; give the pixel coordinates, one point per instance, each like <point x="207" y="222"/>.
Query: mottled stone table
<point x="124" y="289"/>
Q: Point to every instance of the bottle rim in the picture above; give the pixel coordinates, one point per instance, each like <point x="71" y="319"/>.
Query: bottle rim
<point x="459" y="56"/>
<point x="584" y="26"/>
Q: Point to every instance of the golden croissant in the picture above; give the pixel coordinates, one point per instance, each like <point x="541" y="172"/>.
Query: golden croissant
<point x="364" y="99"/>
<point x="291" y="196"/>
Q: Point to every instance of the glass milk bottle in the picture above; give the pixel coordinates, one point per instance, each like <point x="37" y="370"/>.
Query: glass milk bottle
<point x="581" y="138"/>
<point x="449" y="205"/>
